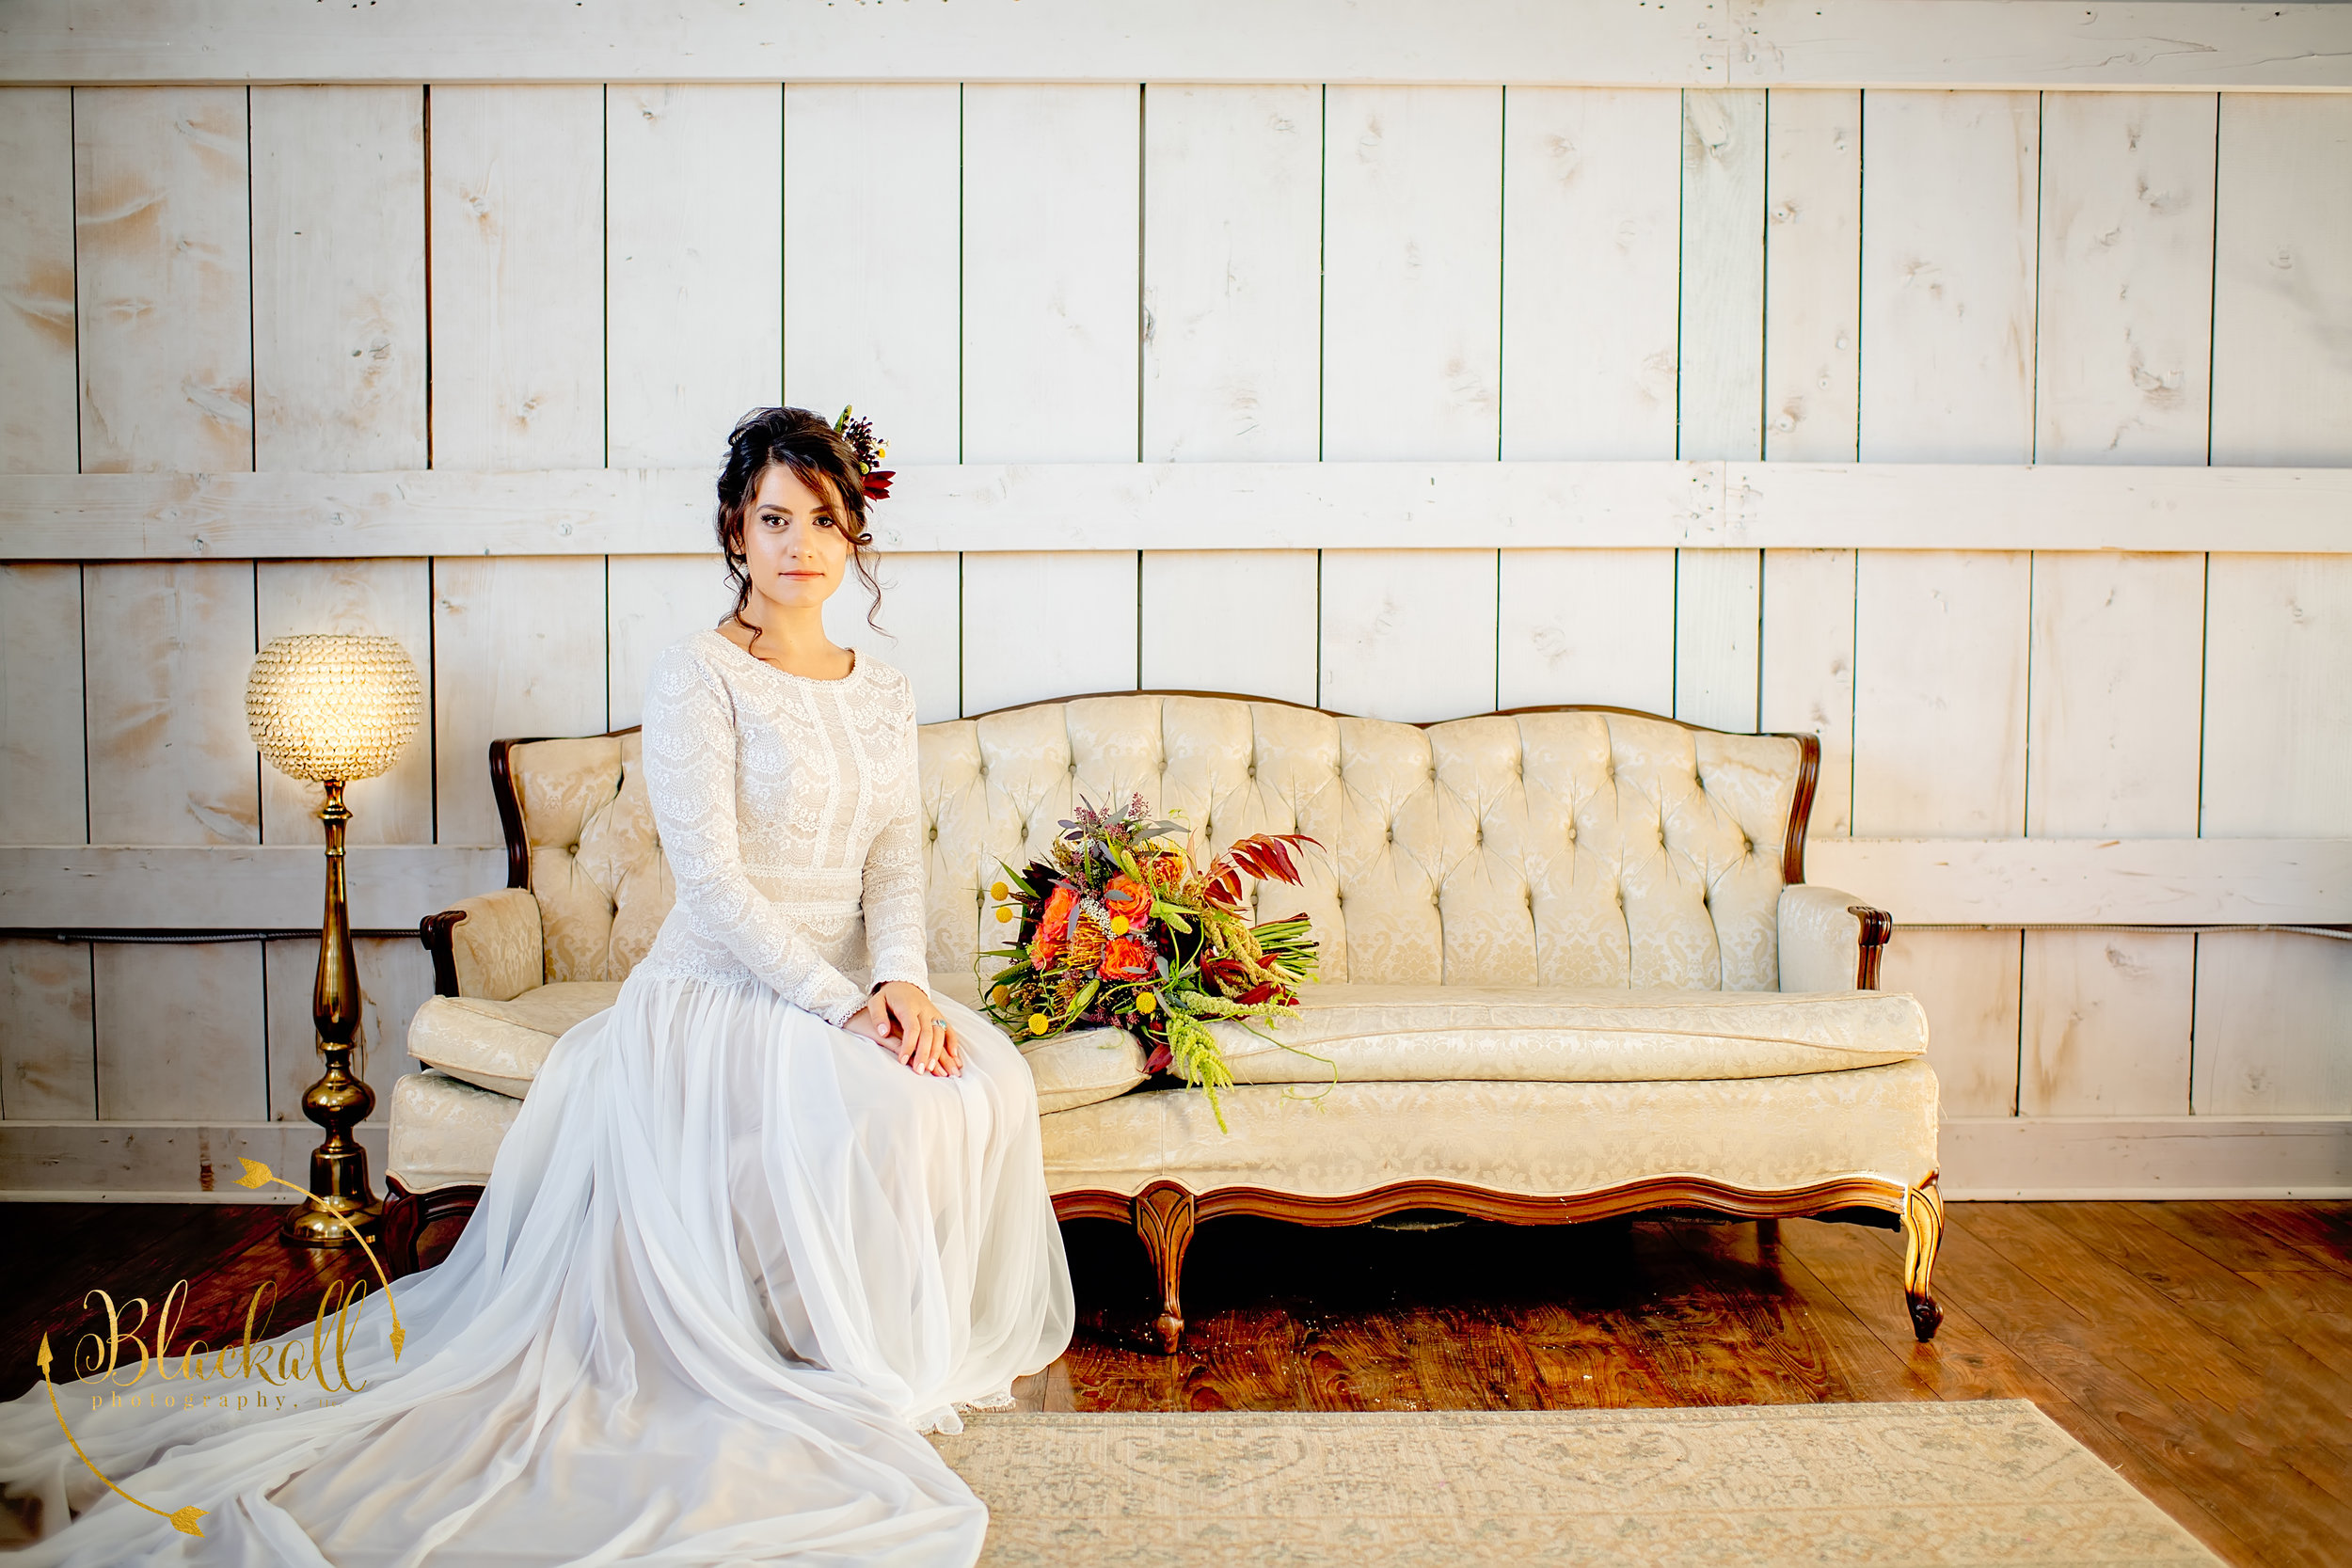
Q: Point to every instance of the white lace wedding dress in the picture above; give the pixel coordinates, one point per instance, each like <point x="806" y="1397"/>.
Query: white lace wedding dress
<point x="733" y="1261"/>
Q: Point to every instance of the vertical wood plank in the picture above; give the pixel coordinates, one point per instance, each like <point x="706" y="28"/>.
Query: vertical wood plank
<point x="693" y="266"/>
<point x="395" y="977"/>
<point x="1722" y="388"/>
<point x="2106" y="1025"/>
<point x="2124" y="337"/>
<point x="38" y="433"/>
<point x="2278" y="732"/>
<point x="1238" y="621"/>
<point x="1590" y="268"/>
<point x="652" y="601"/>
<point x="922" y="625"/>
<point x="2272" y="1031"/>
<point x="1812" y="276"/>
<point x="1948" y="276"/>
<point x="1014" y="655"/>
<point x="44" y="799"/>
<point x="1717" y="637"/>
<point x="2282" y="279"/>
<point x="48" y="1062"/>
<point x="166" y="647"/>
<point x="518" y="649"/>
<point x="1940" y="641"/>
<point x="1588" y="627"/>
<point x="338" y="327"/>
<point x="1968" y="982"/>
<point x="872" y="188"/>
<point x="1050" y="329"/>
<point x="164" y="272"/>
<point x="1806" y="683"/>
<point x="517" y="267"/>
<point x="1412" y="276"/>
<point x="1409" y="634"/>
<point x="2117" y="651"/>
<point x="179" y="1029"/>
<point x="383" y="598"/>
<point x="1233" y="254"/>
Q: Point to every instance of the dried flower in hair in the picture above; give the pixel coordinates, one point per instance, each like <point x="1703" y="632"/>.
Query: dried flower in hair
<point x="867" y="452"/>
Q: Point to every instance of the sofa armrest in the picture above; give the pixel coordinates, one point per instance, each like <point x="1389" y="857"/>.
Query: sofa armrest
<point x="1830" y="941"/>
<point x="489" y="946"/>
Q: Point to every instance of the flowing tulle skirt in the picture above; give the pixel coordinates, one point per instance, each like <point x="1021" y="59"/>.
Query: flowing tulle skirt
<point x="732" y="1263"/>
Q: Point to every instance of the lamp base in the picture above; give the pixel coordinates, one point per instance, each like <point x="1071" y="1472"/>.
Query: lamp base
<point x="331" y="1222"/>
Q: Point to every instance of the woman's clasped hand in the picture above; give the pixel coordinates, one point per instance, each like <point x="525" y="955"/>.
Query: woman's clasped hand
<point x="901" y="1019"/>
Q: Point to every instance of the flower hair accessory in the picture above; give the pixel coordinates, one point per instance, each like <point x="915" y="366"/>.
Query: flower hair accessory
<point x="867" y="452"/>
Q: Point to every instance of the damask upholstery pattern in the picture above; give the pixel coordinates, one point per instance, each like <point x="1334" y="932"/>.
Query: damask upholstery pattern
<point x="1761" y="1134"/>
<point x="1430" y="1034"/>
<point x="497" y="946"/>
<point x="502" y="1044"/>
<point x="1576" y="848"/>
<point x="445" y="1133"/>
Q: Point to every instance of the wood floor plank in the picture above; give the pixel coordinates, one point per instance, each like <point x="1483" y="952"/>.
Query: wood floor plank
<point x="2186" y="1452"/>
<point x="2203" y="1350"/>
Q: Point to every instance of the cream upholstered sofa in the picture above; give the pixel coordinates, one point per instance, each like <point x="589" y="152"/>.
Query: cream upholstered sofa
<point x="1571" y="970"/>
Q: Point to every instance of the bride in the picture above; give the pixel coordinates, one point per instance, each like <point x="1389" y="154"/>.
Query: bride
<point x="760" y="1225"/>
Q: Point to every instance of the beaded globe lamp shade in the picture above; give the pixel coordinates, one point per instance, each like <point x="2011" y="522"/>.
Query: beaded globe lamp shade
<point x="331" y="708"/>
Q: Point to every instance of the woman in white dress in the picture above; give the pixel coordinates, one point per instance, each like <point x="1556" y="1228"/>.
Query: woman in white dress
<point x="760" y="1225"/>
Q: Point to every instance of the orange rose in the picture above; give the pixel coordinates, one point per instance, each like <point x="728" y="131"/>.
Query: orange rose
<point x="1053" y="927"/>
<point x="1127" y="958"/>
<point x="1126" y="896"/>
<point x="1166" y="869"/>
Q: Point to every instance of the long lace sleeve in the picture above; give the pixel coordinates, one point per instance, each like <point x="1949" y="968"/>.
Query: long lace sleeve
<point x="690" y="762"/>
<point x="894" y="871"/>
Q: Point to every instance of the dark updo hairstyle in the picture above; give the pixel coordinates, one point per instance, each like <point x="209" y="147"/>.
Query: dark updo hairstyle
<point x="803" y="444"/>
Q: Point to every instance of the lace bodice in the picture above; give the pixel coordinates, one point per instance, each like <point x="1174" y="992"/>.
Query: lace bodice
<point x="788" y="811"/>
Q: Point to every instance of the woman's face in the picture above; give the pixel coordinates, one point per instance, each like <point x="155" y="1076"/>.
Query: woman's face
<point x="794" y="547"/>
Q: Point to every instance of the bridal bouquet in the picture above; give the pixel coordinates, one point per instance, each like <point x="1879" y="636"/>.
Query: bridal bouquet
<point x="1119" y="927"/>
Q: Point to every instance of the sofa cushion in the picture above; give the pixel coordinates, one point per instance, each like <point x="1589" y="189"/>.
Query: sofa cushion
<point x="1755" y="1135"/>
<point x="501" y="1046"/>
<point x="1543" y="1034"/>
<point x="445" y="1132"/>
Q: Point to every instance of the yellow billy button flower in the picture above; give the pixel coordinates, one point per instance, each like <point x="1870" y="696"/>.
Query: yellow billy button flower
<point x="1119" y="925"/>
<point x="1000" y="892"/>
<point x="1001" y="995"/>
<point x="1003" y="915"/>
<point x="1039" y="1023"/>
<point x="1146" y="1002"/>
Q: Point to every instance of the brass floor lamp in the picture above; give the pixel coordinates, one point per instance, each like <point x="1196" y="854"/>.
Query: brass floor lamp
<point x="331" y="708"/>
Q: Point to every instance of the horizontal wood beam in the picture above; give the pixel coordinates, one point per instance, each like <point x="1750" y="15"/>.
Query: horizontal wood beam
<point x="2083" y="881"/>
<point x="2043" y="882"/>
<point x="1953" y="43"/>
<point x="2144" y="1158"/>
<point x="234" y="887"/>
<point x="1129" y="506"/>
<point x="53" y="1161"/>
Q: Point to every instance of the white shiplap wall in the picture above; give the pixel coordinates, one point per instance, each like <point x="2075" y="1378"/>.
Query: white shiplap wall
<point x="223" y="279"/>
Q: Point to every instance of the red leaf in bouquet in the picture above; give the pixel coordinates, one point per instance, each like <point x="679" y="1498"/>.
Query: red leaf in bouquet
<point x="1264" y="856"/>
<point x="878" y="483"/>
<point x="1159" y="1060"/>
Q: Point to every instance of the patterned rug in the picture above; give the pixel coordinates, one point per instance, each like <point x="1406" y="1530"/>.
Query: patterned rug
<point x="1757" y="1486"/>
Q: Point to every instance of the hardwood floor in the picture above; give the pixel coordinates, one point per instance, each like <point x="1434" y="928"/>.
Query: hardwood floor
<point x="2205" y="1350"/>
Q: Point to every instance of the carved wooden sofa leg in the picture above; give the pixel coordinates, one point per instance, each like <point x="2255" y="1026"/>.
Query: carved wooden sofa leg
<point x="1923" y="1232"/>
<point x="1163" y="1215"/>
<point x="406" y="1214"/>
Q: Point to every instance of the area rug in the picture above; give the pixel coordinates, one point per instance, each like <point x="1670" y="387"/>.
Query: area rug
<point x="1755" y="1486"/>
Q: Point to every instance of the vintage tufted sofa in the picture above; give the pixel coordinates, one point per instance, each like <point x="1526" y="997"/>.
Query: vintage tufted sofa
<point x="1571" y="970"/>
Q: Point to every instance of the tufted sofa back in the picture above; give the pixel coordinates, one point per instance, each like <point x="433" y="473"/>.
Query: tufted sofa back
<point x="1561" y="847"/>
<point x="1564" y="846"/>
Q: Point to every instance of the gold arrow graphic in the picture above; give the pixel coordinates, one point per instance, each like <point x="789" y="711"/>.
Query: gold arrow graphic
<point x="185" y="1521"/>
<point x="257" y="1176"/>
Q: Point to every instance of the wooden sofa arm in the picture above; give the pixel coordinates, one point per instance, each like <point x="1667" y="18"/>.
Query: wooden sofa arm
<point x="487" y="947"/>
<point x="1830" y="941"/>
